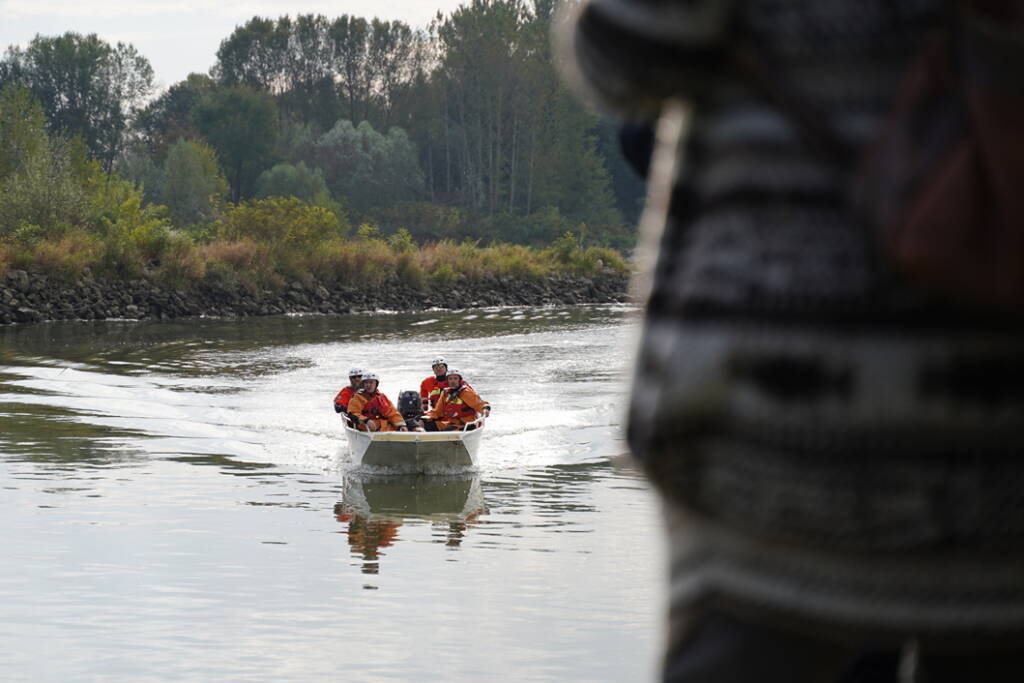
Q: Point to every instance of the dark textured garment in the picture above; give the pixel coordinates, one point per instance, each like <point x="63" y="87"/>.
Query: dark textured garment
<point x="836" y="445"/>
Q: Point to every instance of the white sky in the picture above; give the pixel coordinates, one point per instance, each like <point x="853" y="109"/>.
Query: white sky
<point x="182" y="36"/>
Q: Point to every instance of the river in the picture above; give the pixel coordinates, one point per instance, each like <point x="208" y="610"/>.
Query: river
<point x="177" y="504"/>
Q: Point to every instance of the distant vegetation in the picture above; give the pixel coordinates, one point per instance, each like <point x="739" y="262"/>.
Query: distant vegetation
<point x="341" y="149"/>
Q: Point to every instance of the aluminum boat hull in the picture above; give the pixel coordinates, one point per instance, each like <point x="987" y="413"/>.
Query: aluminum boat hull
<point x="415" y="452"/>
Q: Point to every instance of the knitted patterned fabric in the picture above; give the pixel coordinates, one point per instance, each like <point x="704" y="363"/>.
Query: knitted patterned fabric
<point x="835" y="445"/>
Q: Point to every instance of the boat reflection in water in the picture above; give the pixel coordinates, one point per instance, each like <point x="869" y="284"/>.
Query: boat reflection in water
<point x="375" y="506"/>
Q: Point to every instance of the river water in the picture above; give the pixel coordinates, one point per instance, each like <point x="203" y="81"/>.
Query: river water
<point x="177" y="504"/>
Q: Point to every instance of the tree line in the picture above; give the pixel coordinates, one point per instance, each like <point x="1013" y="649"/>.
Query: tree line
<point x="461" y="129"/>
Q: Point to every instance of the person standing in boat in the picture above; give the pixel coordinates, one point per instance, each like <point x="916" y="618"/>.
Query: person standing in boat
<point x="431" y="387"/>
<point x="372" y="411"/>
<point x="456" y="406"/>
<point x="355" y="378"/>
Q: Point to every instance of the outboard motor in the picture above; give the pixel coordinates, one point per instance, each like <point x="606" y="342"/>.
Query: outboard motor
<point x="410" y="407"/>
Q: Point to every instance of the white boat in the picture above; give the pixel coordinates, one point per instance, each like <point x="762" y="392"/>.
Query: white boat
<point x="416" y="452"/>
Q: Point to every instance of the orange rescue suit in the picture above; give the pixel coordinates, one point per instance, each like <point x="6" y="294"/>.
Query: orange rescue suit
<point x="430" y="390"/>
<point x="457" y="407"/>
<point x="342" y="399"/>
<point x="377" y="408"/>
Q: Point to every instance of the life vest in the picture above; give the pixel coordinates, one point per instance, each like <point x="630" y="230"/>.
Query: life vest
<point x="343" y="397"/>
<point x="378" y="407"/>
<point x="457" y="409"/>
<point x="431" y="389"/>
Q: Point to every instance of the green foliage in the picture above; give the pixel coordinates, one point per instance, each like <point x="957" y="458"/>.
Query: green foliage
<point x="565" y="247"/>
<point x="241" y="261"/>
<point x="402" y="241"/>
<point x="135" y="235"/>
<point x="241" y="125"/>
<point x="114" y="200"/>
<point x="67" y="258"/>
<point x="169" y="117"/>
<point x="483" y="145"/>
<point x="568" y="252"/>
<point x="181" y="263"/>
<point x="409" y="271"/>
<point x="142" y="169"/>
<point x="22" y="129"/>
<point x="43" y="192"/>
<point x="27" y="235"/>
<point x="280" y="221"/>
<point x="367" y="231"/>
<point x="424" y="220"/>
<point x="366" y="168"/>
<point x="288" y="180"/>
<point x="443" y="275"/>
<point x="87" y="87"/>
<point x="193" y="187"/>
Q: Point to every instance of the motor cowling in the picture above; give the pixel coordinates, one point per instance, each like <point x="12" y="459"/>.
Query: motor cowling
<point x="409" y="405"/>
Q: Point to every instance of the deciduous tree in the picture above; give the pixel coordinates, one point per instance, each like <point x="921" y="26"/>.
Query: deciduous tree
<point x="86" y="86"/>
<point x="241" y="125"/>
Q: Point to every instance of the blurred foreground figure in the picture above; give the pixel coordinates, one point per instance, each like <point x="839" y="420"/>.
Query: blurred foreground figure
<point x="839" y="442"/>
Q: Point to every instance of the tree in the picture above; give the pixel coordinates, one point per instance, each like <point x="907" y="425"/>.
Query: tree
<point x="366" y="168"/>
<point x="86" y="87"/>
<point x="140" y="168"/>
<point x="41" y="184"/>
<point x="241" y="125"/>
<point x="287" y="180"/>
<point x="254" y="55"/>
<point x="311" y="93"/>
<point x="350" y="39"/>
<point x="169" y="118"/>
<point x="22" y="129"/>
<point x="193" y="185"/>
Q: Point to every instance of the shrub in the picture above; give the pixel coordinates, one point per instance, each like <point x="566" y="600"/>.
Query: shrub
<point x="402" y="241"/>
<point x="284" y="222"/>
<point x="443" y="275"/>
<point x="410" y="273"/>
<point x="291" y="180"/>
<point x="424" y="220"/>
<point x="6" y="255"/>
<point x="193" y="187"/>
<point x="27" y="235"/>
<point x="67" y="258"/>
<point x="181" y="263"/>
<point x="245" y="260"/>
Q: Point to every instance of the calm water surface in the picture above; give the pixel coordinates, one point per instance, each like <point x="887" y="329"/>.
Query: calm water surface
<point x="177" y="504"/>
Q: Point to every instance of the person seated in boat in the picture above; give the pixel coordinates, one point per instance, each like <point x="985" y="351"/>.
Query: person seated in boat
<point x="355" y="378"/>
<point x="457" y="405"/>
<point x="431" y="387"/>
<point x="371" y="410"/>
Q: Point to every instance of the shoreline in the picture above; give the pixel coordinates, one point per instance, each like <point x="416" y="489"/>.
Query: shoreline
<point x="35" y="298"/>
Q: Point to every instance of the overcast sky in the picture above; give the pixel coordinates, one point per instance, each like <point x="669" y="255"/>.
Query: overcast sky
<point x="182" y="36"/>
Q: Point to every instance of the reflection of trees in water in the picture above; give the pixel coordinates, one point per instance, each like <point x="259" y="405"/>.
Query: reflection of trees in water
<point x="375" y="507"/>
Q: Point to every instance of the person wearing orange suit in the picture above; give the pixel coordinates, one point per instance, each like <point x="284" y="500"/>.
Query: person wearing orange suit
<point x="355" y="377"/>
<point x="457" y="405"/>
<point x="373" y="411"/>
<point x="431" y="387"/>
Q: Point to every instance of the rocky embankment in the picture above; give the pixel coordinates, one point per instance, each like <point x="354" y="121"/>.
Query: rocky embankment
<point x="32" y="297"/>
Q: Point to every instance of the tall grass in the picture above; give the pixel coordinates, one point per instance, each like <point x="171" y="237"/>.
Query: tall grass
<point x="179" y="260"/>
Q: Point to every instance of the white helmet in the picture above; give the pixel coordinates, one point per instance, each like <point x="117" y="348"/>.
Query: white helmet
<point x="371" y="375"/>
<point x="355" y="372"/>
<point x="439" y="361"/>
<point x="457" y="372"/>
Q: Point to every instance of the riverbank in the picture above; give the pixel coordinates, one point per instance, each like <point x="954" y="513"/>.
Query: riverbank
<point x="35" y="297"/>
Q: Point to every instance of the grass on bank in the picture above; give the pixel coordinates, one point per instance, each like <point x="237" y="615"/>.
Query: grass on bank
<point x="269" y="243"/>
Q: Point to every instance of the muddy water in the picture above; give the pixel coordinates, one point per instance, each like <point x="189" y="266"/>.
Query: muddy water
<point x="178" y="504"/>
